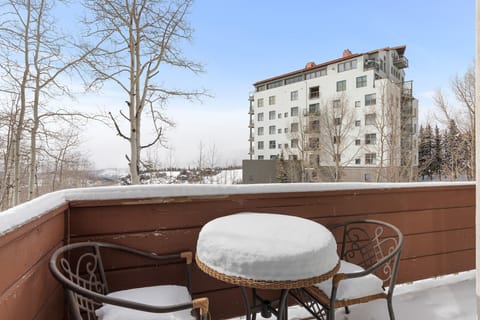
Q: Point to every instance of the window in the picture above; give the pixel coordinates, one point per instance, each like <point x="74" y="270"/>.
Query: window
<point x="358" y="161"/>
<point x="357" y="104"/>
<point x="260" y="103"/>
<point x="271" y="100"/>
<point x="294" y="127"/>
<point x="292" y="157"/>
<point x="294" y="143"/>
<point x="313" y="143"/>
<point x="370" y="119"/>
<point x="286" y="146"/>
<point x="315" y="126"/>
<point x="357" y="142"/>
<point x="314" y="92"/>
<point x="271" y="115"/>
<point x="260" y="131"/>
<point x="272" y="144"/>
<point x="370" y="158"/>
<point x="294" y="79"/>
<point x="285" y="130"/>
<point x="273" y="157"/>
<point x="271" y="130"/>
<point x="336" y="139"/>
<point x="260" y="116"/>
<point x="274" y="84"/>
<point x="279" y="131"/>
<point x="361" y="81"/>
<point x="348" y="65"/>
<point x="341" y="85"/>
<point x="370" y="99"/>
<point x="279" y="116"/>
<point x="336" y="103"/>
<point x="370" y="138"/>
<point x="314" y="108"/>
<point x="337" y="157"/>
<point x="285" y="115"/>
<point x="260" y="158"/>
<point x="357" y="123"/>
<point x="314" y="159"/>
<point x="337" y="121"/>
<point x="261" y="88"/>
<point x="260" y="145"/>
<point x="294" y="95"/>
<point x="316" y="74"/>
<point x="294" y="111"/>
<point x="279" y="146"/>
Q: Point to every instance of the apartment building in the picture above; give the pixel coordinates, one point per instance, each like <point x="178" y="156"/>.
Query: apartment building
<point x="352" y="119"/>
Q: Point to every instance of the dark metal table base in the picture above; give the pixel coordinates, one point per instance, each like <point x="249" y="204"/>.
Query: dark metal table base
<point x="279" y="307"/>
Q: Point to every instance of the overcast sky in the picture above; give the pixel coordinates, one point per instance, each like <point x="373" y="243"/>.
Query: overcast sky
<point x="244" y="41"/>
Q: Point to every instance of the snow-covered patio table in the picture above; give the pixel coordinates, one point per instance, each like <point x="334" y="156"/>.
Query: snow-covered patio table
<point x="267" y="251"/>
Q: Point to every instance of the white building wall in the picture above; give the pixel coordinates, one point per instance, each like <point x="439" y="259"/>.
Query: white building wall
<point x="279" y="141"/>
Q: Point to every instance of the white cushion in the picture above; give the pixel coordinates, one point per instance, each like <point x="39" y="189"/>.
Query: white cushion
<point x="353" y="288"/>
<point x="156" y="295"/>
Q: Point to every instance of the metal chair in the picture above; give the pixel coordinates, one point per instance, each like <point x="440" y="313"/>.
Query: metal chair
<point x="80" y="269"/>
<point x="370" y="253"/>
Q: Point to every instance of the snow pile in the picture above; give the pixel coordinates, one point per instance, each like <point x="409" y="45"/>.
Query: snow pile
<point x="269" y="247"/>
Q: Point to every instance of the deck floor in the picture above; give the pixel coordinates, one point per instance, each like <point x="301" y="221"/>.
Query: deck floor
<point x="448" y="297"/>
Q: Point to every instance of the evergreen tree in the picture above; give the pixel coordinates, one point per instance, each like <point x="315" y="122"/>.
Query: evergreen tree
<point x="425" y="152"/>
<point x="437" y="154"/>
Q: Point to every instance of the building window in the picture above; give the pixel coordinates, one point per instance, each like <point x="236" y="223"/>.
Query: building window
<point x="370" y="158"/>
<point x="260" y="116"/>
<point x="370" y="99"/>
<point x="260" y="145"/>
<point x="279" y="131"/>
<point x="357" y="142"/>
<point x="261" y="88"/>
<point x="273" y="157"/>
<point x="271" y="115"/>
<point x="336" y="139"/>
<point x="314" y="160"/>
<point x="279" y="116"/>
<point x="337" y="121"/>
<point x="260" y="131"/>
<point x="285" y="130"/>
<point x="348" y="65"/>
<point x="337" y="157"/>
<point x="357" y="104"/>
<point x="274" y="84"/>
<point x="336" y="103"/>
<point x="271" y="100"/>
<point x="294" y="95"/>
<point x="294" y="112"/>
<point x="279" y="146"/>
<point x="285" y="115"/>
<point x="371" y="138"/>
<point x="294" y="79"/>
<point x="294" y="127"/>
<point x="272" y="144"/>
<point x="357" y="123"/>
<point x="361" y="81"/>
<point x="341" y="85"/>
<point x="314" y="108"/>
<point x="370" y="119"/>
<point x="292" y="157"/>
<point x="260" y="158"/>
<point x="294" y="143"/>
<point x="271" y="130"/>
<point x="260" y="102"/>
<point x="315" y="126"/>
<point x="313" y="143"/>
<point x="314" y="92"/>
<point x="285" y="145"/>
<point x="358" y="161"/>
<point x="316" y="74"/>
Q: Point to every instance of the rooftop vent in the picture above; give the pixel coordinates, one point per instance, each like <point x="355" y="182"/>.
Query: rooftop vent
<point x="310" y="65"/>
<point x="346" y="53"/>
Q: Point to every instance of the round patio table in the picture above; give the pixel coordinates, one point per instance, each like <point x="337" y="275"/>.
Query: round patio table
<point x="267" y="251"/>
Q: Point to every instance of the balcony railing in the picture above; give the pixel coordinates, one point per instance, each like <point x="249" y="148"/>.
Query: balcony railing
<point x="438" y="221"/>
<point x="400" y="62"/>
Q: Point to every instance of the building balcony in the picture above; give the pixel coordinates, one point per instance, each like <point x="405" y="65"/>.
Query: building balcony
<point x="400" y="62"/>
<point x="437" y="220"/>
<point x="251" y="124"/>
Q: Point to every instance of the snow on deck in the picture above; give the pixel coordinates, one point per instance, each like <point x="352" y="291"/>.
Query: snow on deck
<point x="448" y="297"/>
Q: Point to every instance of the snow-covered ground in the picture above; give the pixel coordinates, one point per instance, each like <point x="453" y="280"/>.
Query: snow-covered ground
<point x="449" y="297"/>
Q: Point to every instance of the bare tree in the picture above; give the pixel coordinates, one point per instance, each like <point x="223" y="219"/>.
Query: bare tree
<point x="136" y="39"/>
<point x="462" y="113"/>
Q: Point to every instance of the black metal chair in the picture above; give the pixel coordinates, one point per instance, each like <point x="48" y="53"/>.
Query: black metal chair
<point x="80" y="269"/>
<point x="370" y="253"/>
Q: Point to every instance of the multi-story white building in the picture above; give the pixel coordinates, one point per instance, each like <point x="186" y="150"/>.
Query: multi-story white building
<point x="352" y="118"/>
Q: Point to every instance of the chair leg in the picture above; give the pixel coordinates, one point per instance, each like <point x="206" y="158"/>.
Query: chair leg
<point x="390" y="309"/>
<point x="331" y="314"/>
<point x="347" y="310"/>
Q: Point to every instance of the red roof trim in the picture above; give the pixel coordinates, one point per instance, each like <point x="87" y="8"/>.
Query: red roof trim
<point x="399" y="49"/>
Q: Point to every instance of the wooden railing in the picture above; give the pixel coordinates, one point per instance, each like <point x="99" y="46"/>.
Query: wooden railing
<point x="438" y="221"/>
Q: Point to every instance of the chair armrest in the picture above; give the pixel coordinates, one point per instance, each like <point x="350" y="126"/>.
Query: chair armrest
<point x="202" y="304"/>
